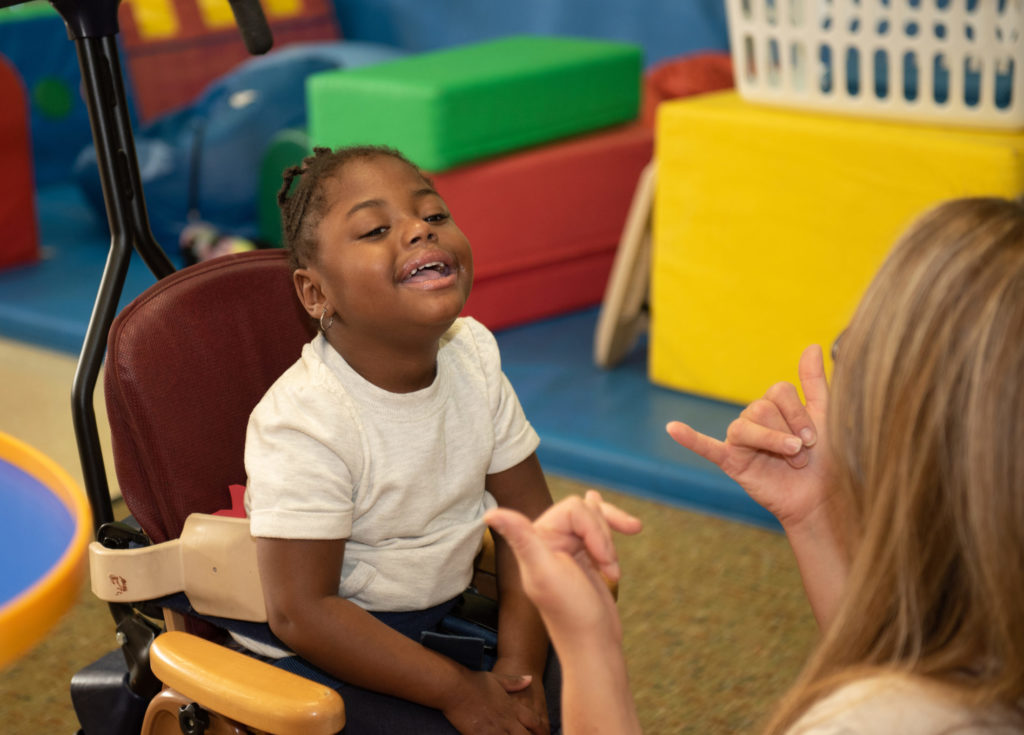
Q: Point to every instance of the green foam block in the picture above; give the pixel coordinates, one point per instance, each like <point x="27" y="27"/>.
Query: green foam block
<point x="287" y="148"/>
<point x="457" y="105"/>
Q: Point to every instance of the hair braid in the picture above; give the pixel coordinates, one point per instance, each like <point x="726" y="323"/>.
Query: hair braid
<point x="302" y="198"/>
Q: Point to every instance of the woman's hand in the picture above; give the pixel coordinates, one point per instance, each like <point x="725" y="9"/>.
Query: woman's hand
<point x="565" y="558"/>
<point x="776" y="449"/>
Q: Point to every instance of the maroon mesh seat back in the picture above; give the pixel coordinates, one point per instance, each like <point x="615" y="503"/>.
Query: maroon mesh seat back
<point x="186" y="363"/>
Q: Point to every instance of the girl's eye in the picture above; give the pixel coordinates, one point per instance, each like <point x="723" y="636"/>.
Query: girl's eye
<point x="375" y="232"/>
<point x="439" y="217"/>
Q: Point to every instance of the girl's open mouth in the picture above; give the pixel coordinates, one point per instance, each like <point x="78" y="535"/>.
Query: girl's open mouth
<point x="428" y="272"/>
<point x="431" y="275"/>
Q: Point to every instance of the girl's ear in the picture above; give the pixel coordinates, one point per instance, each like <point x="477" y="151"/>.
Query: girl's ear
<point x="307" y="286"/>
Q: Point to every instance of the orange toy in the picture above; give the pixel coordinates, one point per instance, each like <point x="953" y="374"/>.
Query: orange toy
<point x="27" y="614"/>
<point x="684" y="76"/>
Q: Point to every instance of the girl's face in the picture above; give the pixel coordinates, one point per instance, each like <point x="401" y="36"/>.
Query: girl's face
<point x="391" y="259"/>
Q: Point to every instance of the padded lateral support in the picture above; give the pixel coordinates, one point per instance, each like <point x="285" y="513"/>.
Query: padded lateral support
<point x="273" y="700"/>
<point x="213" y="563"/>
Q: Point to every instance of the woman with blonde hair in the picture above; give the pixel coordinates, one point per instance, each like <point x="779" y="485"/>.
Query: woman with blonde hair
<point x="901" y="491"/>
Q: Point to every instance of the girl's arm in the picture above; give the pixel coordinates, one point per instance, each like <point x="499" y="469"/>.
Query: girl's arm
<point x="522" y="640"/>
<point x="300" y="583"/>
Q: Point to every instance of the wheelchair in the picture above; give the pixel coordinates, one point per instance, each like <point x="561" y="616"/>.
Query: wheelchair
<point x="185" y="364"/>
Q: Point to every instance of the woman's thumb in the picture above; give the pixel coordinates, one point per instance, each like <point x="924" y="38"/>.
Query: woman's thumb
<point x="517" y="531"/>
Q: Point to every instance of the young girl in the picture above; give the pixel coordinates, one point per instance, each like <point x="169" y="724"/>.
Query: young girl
<point x="901" y="492"/>
<point x="373" y="459"/>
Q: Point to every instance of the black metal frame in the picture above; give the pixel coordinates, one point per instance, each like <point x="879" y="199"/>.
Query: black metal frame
<point x="92" y="26"/>
<point x="129" y="229"/>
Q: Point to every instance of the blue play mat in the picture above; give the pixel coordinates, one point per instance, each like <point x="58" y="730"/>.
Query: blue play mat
<point x="45" y="527"/>
<point x="35" y="527"/>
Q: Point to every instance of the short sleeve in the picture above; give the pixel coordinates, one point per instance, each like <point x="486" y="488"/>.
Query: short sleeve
<point x="514" y="437"/>
<point x="301" y="462"/>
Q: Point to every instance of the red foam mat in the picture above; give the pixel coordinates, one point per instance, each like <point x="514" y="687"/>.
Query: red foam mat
<point x="20" y="241"/>
<point x="545" y="222"/>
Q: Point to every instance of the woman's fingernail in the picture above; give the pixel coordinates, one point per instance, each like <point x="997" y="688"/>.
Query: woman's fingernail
<point x="808" y="436"/>
<point x="792" y="444"/>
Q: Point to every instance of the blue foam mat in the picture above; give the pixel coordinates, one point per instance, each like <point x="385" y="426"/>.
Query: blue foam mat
<point x="48" y="303"/>
<point x="598" y="426"/>
<point x="608" y="426"/>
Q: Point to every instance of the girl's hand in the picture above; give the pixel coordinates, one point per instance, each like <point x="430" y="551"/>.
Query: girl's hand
<point x="776" y="449"/>
<point x="530" y="693"/>
<point x="565" y="558"/>
<point x="483" y="704"/>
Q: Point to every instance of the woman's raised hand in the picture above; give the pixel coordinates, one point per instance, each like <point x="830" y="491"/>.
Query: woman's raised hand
<point x="776" y="450"/>
<point x="565" y="558"/>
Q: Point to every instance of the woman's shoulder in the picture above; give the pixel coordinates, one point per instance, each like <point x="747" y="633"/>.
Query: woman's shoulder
<point x="898" y="704"/>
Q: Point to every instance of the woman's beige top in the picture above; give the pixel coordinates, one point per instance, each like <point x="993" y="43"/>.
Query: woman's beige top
<point x="900" y="705"/>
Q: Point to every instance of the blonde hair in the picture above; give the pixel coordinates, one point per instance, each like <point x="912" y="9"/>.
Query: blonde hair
<point x="926" y="425"/>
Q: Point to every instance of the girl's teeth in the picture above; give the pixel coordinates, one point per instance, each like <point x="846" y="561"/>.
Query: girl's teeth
<point x="422" y="267"/>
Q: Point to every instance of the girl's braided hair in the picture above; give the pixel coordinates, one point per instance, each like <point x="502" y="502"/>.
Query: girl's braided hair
<point x="303" y="201"/>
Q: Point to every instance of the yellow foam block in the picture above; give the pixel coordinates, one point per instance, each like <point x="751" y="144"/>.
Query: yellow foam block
<point x="769" y="224"/>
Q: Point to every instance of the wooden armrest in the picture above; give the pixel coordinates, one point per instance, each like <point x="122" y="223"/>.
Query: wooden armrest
<point x="244" y="689"/>
<point x="485" y="561"/>
<point x="485" y="568"/>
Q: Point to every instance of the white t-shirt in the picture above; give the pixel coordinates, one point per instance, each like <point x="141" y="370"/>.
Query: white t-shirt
<point x="897" y="704"/>
<point x="399" y="475"/>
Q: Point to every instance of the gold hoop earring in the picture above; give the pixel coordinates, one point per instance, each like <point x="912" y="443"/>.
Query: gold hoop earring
<point x="325" y="327"/>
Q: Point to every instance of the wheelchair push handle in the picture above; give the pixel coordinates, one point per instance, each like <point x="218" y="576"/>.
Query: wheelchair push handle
<point x="94" y="18"/>
<point x="253" y="25"/>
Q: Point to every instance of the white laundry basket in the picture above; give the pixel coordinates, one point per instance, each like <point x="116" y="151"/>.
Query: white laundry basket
<point x="950" y="62"/>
